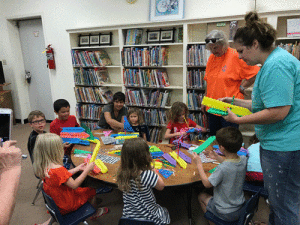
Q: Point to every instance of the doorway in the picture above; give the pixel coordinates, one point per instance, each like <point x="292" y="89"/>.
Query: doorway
<point x="33" y="45"/>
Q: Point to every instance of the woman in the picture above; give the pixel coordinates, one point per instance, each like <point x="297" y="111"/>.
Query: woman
<point x="112" y="115"/>
<point x="276" y="114"/>
<point x="226" y="75"/>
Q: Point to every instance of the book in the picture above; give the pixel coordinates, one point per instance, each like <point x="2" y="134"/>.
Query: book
<point x="102" y="58"/>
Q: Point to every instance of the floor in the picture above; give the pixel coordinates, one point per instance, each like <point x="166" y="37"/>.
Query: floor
<point x="175" y="200"/>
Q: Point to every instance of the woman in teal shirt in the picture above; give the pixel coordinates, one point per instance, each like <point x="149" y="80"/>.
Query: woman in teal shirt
<point x="276" y="114"/>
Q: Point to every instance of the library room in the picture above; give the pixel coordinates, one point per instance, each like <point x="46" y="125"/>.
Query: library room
<point x="189" y="85"/>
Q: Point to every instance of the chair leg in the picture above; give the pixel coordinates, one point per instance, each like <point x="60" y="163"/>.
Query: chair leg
<point x="39" y="183"/>
<point x="37" y="193"/>
<point x="51" y="221"/>
<point x="85" y="223"/>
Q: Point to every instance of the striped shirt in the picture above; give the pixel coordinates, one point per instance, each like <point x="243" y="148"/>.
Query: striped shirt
<point x="142" y="204"/>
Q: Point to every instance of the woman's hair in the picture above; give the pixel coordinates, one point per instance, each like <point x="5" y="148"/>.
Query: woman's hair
<point x="138" y="113"/>
<point x="218" y="36"/>
<point x="119" y="96"/>
<point x="176" y="110"/>
<point x="48" y="149"/>
<point x="255" y="29"/>
<point x="135" y="158"/>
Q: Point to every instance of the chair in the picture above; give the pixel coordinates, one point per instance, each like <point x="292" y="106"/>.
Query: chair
<point x="72" y="218"/>
<point x="246" y="216"/>
<point x="254" y="187"/>
<point x="129" y="221"/>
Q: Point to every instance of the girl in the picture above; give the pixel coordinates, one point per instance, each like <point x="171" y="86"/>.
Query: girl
<point x="136" y="178"/>
<point x="58" y="181"/>
<point x="135" y="119"/>
<point x="179" y="122"/>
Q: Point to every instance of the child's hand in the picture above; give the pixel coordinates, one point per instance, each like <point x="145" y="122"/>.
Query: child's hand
<point x="203" y="130"/>
<point x="82" y="166"/>
<point x="177" y="134"/>
<point x="90" y="166"/>
<point x="211" y="154"/>
<point x="67" y="145"/>
<point x="196" y="158"/>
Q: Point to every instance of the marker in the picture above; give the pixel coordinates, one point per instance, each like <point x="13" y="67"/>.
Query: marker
<point x="232" y="100"/>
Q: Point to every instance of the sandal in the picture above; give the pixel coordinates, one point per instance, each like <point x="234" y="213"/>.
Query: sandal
<point x="100" y="212"/>
<point x="103" y="190"/>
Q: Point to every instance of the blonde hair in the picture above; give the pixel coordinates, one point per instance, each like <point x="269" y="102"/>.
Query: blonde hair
<point x="138" y="113"/>
<point x="176" y="110"/>
<point x="135" y="157"/>
<point x="48" y="149"/>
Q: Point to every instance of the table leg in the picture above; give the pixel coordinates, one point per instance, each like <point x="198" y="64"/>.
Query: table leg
<point x="189" y="198"/>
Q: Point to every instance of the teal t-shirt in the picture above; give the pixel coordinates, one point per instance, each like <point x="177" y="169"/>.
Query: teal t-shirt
<point x="278" y="84"/>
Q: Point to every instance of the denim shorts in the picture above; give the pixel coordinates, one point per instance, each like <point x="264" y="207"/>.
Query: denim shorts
<point x="281" y="172"/>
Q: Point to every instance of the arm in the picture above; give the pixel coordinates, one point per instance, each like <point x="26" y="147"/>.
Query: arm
<point x="144" y="137"/>
<point x="78" y="181"/>
<point x="81" y="167"/>
<point x="10" y="172"/>
<point x="213" y="155"/>
<point x="266" y="116"/>
<point x="203" y="129"/>
<point x="202" y="174"/>
<point x="247" y="83"/>
<point x="239" y="102"/>
<point x="112" y="122"/>
<point x="160" y="185"/>
<point x="168" y="134"/>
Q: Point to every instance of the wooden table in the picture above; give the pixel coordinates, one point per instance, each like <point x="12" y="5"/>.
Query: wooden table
<point x="181" y="177"/>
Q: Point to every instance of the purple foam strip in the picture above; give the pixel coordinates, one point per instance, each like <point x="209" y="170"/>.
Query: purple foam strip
<point x="185" y="145"/>
<point x="170" y="159"/>
<point x="185" y="157"/>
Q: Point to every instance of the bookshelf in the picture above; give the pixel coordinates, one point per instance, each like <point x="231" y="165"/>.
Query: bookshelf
<point x="185" y="80"/>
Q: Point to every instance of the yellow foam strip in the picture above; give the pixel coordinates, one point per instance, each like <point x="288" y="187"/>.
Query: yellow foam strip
<point x="114" y="151"/>
<point x="129" y="133"/>
<point x="180" y="161"/>
<point x="126" y="137"/>
<point x="101" y="166"/>
<point x="157" y="165"/>
<point x="216" y="104"/>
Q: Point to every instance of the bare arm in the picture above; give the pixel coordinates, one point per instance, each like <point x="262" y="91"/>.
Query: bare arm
<point x="247" y="83"/>
<point x="112" y="122"/>
<point x="160" y="185"/>
<point x="10" y="172"/>
<point x="239" y="102"/>
<point x="168" y="134"/>
<point x="266" y="116"/>
<point x="78" y="181"/>
<point x="202" y="174"/>
<point x="144" y="137"/>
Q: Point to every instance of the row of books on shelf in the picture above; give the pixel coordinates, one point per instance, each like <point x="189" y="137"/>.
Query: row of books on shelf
<point x="155" y="134"/>
<point x="90" y="58"/>
<point x="194" y="100"/>
<point x="294" y="49"/>
<point x="146" y="78"/>
<point x="92" y="125"/>
<point x="93" y="95"/>
<point x="91" y="77"/>
<point x="134" y="37"/>
<point x="90" y="112"/>
<point x="148" y="98"/>
<point x="148" y="56"/>
<point x="198" y="118"/>
<point x="195" y="79"/>
<point x="154" y="117"/>
<point x="197" y="55"/>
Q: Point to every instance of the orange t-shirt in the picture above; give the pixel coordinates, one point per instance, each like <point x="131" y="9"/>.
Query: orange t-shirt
<point x="224" y="75"/>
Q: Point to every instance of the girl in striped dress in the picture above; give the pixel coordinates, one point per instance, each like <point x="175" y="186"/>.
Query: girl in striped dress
<point x="136" y="178"/>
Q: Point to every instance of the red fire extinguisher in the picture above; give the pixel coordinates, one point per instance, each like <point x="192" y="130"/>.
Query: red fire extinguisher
<point x="50" y="57"/>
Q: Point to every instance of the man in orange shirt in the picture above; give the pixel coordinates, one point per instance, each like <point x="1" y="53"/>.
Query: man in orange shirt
<point x="226" y="75"/>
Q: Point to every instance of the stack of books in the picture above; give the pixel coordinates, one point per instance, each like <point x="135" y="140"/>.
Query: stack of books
<point x="91" y="77"/>
<point x="93" y="95"/>
<point x="146" y="78"/>
<point x="90" y="58"/>
<point x="155" y="134"/>
<point x="90" y="112"/>
<point x="195" y="79"/>
<point x="197" y="55"/>
<point x="134" y="37"/>
<point x="194" y="100"/>
<point x="294" y="49"/>
<point x="154" y="117"/>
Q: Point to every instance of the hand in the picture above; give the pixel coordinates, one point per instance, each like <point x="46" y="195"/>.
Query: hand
<point x="203" y="108"/>
<point x="226" y="99"/>
<point x="177" y="134"/>
<point x="67" y="145"/>
<point x="203" y="130"/>
<point x="82" y="166"/>
<point x="197" y="159"/>
<point x="231" y="117"/>
<point x="211" y="154"/>
<point x="10" y="156"/>
<point x="90" y="166"/>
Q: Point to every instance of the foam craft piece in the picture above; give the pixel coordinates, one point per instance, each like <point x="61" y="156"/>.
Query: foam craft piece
<point x="194" y="130"/>
<point x="165" y="173"/>
<point x="78" y="151"/>
<point x="106" y="133"/>
<point x="180" y="161"/>
<point x="157" y="154"/>
<point x="185" y="157"/>
<point x="75" y="141"/>
<point x="127" y="126"/>
<point x="88" y="131"/>
<point x="154" y="148"/>
<point x="127" y="137"/>
<point x="157" y="164"/>
<point x="169" y="159"/>
<point x="216" y="104"/>
<point x="101" y="166"/>
<point x="108" y="140"/>
<point x="207" y="143"/>
<point x="72" y="129"/>
<point x="74" y="135"/>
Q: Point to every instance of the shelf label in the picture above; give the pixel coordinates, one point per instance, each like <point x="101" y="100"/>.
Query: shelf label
<point x="221" y="24"/>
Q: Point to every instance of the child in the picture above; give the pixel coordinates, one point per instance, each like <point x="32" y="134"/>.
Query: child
<point x="37" y="122"/>
<point x="227" y="179"/>
<point x="58" y="181"/>
<point x="179" y="122"/>
<point x="254" y="170"/>
<point x="136" y="178"/>
<point x="135" y="119"/>
<point x="64" y="119"/>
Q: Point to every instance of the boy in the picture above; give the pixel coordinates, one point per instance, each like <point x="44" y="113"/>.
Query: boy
<point x="227" y="179"/>
<point x="37" y="122"/>
<point x="64" y="119"/>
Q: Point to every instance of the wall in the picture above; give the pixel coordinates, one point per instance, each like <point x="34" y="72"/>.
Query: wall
<point x="57" y="16"/>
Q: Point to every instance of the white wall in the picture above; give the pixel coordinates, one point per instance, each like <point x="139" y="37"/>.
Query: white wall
<point x="59" y="15"/>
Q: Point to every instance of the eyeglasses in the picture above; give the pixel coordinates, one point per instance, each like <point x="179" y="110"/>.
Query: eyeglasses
<point x="212" y="40"/>
<point x="38" y="121"/>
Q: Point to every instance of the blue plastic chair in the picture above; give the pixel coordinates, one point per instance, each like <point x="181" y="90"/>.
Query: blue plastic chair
<point x="254" y="187"/>
<point x="72" y="218"/>
<point x="129" y="221"/>
<point x="246" y="216"/>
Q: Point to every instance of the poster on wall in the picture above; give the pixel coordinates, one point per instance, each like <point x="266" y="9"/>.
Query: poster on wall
<point x="162" y="10"/>
<point x="293" y="28"/>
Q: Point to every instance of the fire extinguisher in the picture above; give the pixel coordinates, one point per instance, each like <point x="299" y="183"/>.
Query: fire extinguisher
<point x="50" y="57"/>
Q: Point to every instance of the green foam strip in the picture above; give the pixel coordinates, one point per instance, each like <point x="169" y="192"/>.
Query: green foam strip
<point x="202" y="147"/>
